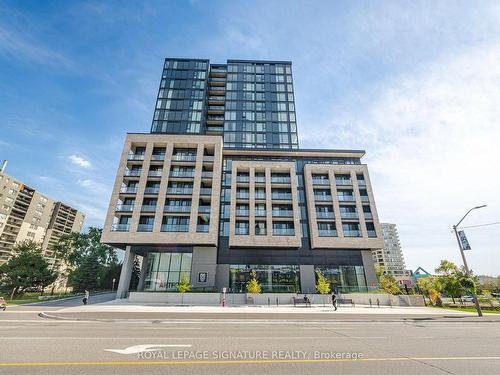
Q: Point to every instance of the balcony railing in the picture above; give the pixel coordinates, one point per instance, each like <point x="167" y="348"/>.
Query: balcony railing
<point x="282" y="213"/>
<point x="132" y="172"/>
<point x="188" y="174"/>
<point x="202" y="228"/>
<point x="325" y="215"/>
<point x="172" y="208"/>
<point x="179" y="190"/>
<point x="175" y="228"/>
<point x="283" y="232"/>
<point x="260" y="179"/>
<point x="208" y="158"/>
<point x="323" y="198"/>
<point x="341" y="181"/>
<point x="242" y="196"/>
<point x="241" y="231"/>
<point x="215" y="118"/>
<point x="216" y="107"/>
<point x="151" y="190"/>
<point x="216" y="79"/>
<point x="372" y="233"/>
<point x="148" y="208"/>
<point x="349" y="215"/>
<point x="158" y="157"/>
<point x="128" y="190"/>
<point x="327" y="233"/>
<point x="155" y="173"/>
<point x="320" y="181"/>
<point x="184" y="157"/>
<point x="125" y="207"/>
<point x="204" y="209"/>
<point x="120" y="227"/>
<point x="364" y="198"/>
<point x="282" y="196"/>
<point x="242" y="179"/>
<point x="145" y="227"/>
<point x="242" y="212"/>
<point x="260" y="231"/>
<point x="368" y="215"/>
<point x="260" y="196"/>
<point x="280" y="180"/>
<point x="260" y="213"/>
<point x="206" y="191"/>
<point x="207" y="174"/>
<point x="352" y="233"/>
<point x="217" y="97"/>
<point x="346" y="198"/>
<point x="361" y="182"/>
<point x="135" y="157"/>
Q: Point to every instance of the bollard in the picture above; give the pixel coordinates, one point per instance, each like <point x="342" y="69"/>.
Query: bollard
<point x="277" y="302"/>
<point x="370" y="302"/>
<point x="378" y="302"/>
<point x="268" y="301"/>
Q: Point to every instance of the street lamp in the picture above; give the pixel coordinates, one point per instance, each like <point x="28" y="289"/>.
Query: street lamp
<point x="467" y="272"/>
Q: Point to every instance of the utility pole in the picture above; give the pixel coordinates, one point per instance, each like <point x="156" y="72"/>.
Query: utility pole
<point x="466" y="266"/>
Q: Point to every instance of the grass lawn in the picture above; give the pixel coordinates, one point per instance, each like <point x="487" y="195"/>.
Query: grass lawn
<point x="31" y="298"/>
<point x="470" y="309"/>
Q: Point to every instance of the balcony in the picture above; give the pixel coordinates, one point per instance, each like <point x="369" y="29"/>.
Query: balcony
<point x="133" y="172"/>
<point x="145" y="227"/>
<point x="180" y="190"/>
<point x="320" y="181"/>
<point x="281" y="196"/>
<point x="155" y="173"/>
<point x="352" y="233"/>
<point x="182" y="157"/>
<point x="372" y="233"/>
<point x="208" y="158"/>
<point x="175" y="228"/>
<point x="322" y="198"/>
<point x="242" y="212"/>
<point x="158" y="157"/>
<point x="260" y="196"/>
<point x="244" y="179"/>
<point x="215" y="118"/>
<point x="349" y="215"/>
<point x="207" y="174"/>
<point x="241" y="231"/>
<point x="206" y="191"/>
<point x="216" y="98"/>
<point x="280" y="180"/>
<point x="151" y="190"/>
<point x="346" y="198"/>
<point x="204" y="209"/>
<point x="183" y="209"/>
<point x="260" y="179"/>
<point x="361" y="182"/>
<point x="282" y="213"/>
<point x="260" y="213"/>
<point x="125" y="207"/>
<point x="181" y="174"/>
<point x="325" y="214"/>
<point x="364" y="198"/>
<point x="242" y="196"/>
<point x="343" y="181"/>
<point x="283" y="232"/>
<point x="214" y="129"/>
<point x="120" y="227"/>
<point x="148" y="208"/>
<point x="128" y="190"/>
<point x="327" y="232"/>
<point x="202" y="228"/>
<point x="260" y="231"/>
<point x="368" y="216"/>
<point x="135" y="157"/>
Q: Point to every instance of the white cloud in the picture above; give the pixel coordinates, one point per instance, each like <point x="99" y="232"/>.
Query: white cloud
<point x="79" y="161"/>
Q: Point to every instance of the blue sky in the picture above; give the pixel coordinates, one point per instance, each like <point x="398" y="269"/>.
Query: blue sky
<point x="414" y="83"/>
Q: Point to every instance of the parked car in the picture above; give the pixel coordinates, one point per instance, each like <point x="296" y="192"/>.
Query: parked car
<point x="466" y="299"/>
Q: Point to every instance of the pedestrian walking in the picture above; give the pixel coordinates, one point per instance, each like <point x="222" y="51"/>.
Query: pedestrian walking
<point x="86" y="297"/>
<point x="3" y="304"/>
<point x="334" y="301"/>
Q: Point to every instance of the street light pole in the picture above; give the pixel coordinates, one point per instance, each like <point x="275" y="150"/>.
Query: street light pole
<point x="466" y="266"/>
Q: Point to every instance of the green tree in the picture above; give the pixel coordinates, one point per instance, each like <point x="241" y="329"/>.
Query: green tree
<point x="389" y="284"/>
<point x="379" y="271"/>
<point x="448" y="275"/>
<point x="87" y="276"/>
<point x="26" y="269"/>
<point x="183" y="286"/>
<point x="430" y="287"/>
<point x="253" y="285"/>
<point x="322" y="284"/>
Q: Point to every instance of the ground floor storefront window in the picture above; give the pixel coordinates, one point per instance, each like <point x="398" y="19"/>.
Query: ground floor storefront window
<point x="273" y="278"/>
<point x="164" y="270"/>
<point x="344" y="279"/>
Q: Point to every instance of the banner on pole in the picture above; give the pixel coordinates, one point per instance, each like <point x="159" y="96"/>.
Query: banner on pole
<point x="463" y="240"/>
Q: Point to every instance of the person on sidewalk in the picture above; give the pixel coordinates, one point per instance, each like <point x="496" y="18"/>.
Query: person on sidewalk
<point x="86" y="297"/>
<point x="334" y="301"/>
<point x="3" y="304"/>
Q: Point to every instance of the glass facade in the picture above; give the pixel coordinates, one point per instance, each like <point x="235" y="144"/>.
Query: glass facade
<point x="164" y="270"/>
<point x="344" y="279"/>
<point x="273" y="278"/>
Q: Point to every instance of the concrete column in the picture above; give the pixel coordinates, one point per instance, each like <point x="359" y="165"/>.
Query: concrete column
<point x="307" y="278"/>
<point x="126" y="274"/>
<point x="204" y="260"/>
<point x="222" y="276"/>
<point x="371" y="277"/>
<point x="140" y="286"/>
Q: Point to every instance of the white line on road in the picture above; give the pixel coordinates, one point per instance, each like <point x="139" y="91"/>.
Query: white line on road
<point x="197" y="338"/>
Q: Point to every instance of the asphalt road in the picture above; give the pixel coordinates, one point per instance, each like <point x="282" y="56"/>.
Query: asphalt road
<point x="33" y="345"/>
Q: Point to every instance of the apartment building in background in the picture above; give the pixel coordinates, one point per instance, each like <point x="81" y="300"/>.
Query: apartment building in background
<point x="391" y="255"/>
<point x="220" y="188"/>
<point x="27" y="214"/>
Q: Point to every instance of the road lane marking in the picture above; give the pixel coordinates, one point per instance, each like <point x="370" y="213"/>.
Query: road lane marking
<point x="197" y="338"/>
<point x="249" y="362"/>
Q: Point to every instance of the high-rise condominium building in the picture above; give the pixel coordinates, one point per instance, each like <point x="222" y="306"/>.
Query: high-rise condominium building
<point x="26" y="214"/>
<point x="219" y="189"/>
<point x="391" y="255"/>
